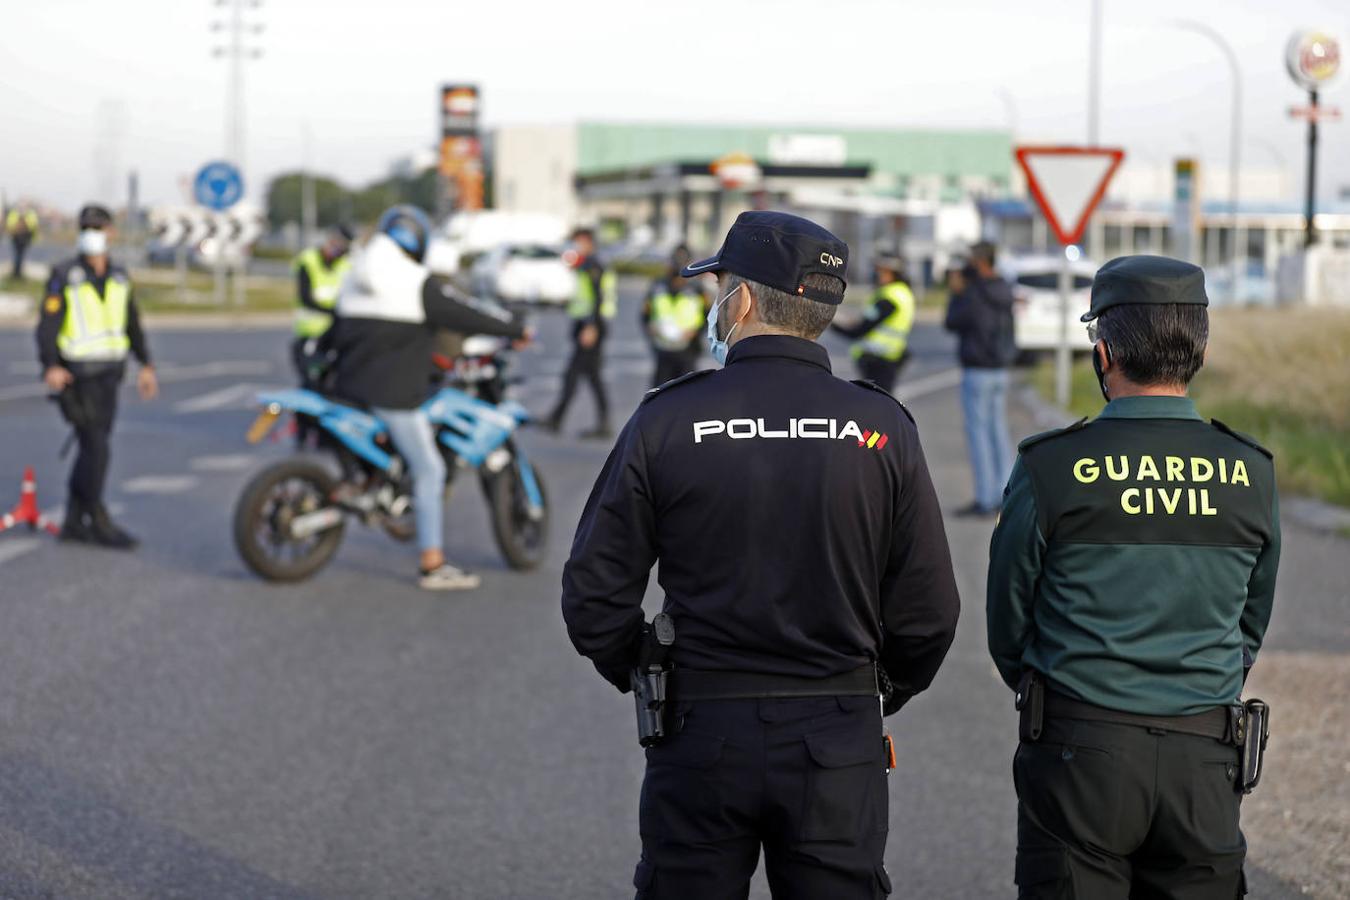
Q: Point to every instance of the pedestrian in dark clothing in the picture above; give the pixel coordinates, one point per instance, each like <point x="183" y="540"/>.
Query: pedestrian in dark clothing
<point x="980" y="313"/>
<point x="22" y="227"/>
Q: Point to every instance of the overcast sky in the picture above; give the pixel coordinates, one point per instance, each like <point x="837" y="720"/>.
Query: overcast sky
<point x="91" y="89"/>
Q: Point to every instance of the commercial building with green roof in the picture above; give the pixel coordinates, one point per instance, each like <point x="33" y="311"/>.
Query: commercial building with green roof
<point x="688" y="181"/>
<point x="903" y="159"/>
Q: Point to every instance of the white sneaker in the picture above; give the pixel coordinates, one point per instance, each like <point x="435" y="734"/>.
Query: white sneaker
<point x="448" y="578"/>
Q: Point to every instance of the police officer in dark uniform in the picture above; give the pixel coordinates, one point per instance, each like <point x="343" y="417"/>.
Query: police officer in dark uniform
<point x="804" y="563"/>
<point x="89" y="324"/>
<point x="1131" y="579"/>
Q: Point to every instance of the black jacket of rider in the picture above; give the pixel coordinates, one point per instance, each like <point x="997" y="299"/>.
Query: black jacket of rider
<point x="387" y="315"/>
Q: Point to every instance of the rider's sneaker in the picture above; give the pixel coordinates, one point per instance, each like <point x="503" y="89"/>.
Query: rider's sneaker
<point x="446" y="577"/>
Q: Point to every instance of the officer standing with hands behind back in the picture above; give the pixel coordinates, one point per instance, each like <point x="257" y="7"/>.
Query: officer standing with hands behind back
<point x="806" y="572"/>
<point x="89" y="324"/>
<point x="1131" y="579"/>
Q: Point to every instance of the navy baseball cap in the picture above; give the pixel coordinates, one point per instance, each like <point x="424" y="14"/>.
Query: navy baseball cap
<point x="1136" y="280"/>
<point x="779" y="250"/>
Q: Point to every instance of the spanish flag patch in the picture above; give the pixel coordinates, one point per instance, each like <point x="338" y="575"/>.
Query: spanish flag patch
<point x="53" y="305"/>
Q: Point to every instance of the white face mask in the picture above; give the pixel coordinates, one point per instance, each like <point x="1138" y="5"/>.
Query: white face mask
<point x="92" y="242"/>
<point x="718" y="346"/>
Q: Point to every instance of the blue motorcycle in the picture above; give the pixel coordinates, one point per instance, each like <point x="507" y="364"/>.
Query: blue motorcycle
<point x="290" y="519"/>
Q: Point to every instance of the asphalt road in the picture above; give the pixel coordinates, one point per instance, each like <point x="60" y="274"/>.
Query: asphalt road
<point x="172" y="727"/>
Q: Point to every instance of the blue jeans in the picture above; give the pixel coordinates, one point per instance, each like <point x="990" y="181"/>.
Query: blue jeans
<point x="984" y="399"/>
<point x="416" y="441"/>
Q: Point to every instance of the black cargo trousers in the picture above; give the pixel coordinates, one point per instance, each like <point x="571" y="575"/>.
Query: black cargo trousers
<point x="1109" y="811"/>
<point x="804" y="778"/>
<point x="89" y="404"/>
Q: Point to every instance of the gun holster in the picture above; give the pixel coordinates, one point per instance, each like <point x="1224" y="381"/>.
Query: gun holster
<point x="650" y="680"/>
<point x="650" y="691"/>
<point x="1249" y="729"/>
<point x="1030" y="703"/>
<point x="73" y="408"/>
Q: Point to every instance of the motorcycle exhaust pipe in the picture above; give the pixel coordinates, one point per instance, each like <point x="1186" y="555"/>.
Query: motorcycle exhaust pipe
<point x="312" y="523"/>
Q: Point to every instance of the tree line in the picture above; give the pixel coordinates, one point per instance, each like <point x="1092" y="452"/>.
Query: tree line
<point x="335" y="202"/>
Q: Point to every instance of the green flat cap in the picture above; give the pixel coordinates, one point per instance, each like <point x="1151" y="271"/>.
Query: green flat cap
<point x="1145" y="279"/>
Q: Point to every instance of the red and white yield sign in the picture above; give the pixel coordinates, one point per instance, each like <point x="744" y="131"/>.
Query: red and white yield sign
<point x="1068" y="183"/>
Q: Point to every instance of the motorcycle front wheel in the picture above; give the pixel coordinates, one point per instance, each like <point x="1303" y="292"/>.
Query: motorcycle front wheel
<point x="270" y="503"/>
<point x="521" y="537"/>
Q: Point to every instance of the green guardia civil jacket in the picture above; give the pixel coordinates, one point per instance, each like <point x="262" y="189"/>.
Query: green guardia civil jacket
<point x="1134" y="562"/>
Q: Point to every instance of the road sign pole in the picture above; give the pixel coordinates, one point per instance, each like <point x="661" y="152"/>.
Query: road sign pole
<point x="1309" y="199"/>
<point x="1063" y="355"/>
<point x="219" y="292"/>
<point x="180" y="270"/>
<point x="239" y="285"/>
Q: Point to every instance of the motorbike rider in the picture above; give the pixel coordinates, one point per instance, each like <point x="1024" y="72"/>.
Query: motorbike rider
<point x="387" y="313"/>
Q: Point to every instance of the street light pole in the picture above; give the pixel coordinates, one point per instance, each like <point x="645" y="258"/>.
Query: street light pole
<point x="236" y="51"/>
<point x="308" y="210"/>
<point x="1234" y="137"/>
<point x="1094" y="73"/>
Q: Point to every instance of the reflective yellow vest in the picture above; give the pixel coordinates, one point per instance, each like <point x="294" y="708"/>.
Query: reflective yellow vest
<point x="29" y="217"/>
<point x="889" y="337"/>
<point x="674" y="317"/>
<point x="95" y="328"/>
<point x="324" y="283"/>
<point x="583" y="301"/>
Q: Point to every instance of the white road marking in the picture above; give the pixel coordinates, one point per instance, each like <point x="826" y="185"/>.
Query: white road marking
<point x="234" y="462"/>
<point x="22" y="391"/>
<point x="168" y="374"/>
<point x="13" y="548"/>
<point x="236" y="396"/>
<point x="929" y="384"/>
<point x="172" y="373"/>
<point x="160" y="484"/>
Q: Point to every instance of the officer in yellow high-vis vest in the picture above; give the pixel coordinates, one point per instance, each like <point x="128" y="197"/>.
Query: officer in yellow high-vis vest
<point x="318" y="276"/>
<point x="673" y="317"/>
<point x="882" y="346"/>
<point x="22" y="227"/>
<point x="88" y="326"/>
<point x="592" y="307"/>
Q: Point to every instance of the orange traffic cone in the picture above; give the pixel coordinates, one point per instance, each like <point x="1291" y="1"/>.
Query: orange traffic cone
<point x="26" y="511"/>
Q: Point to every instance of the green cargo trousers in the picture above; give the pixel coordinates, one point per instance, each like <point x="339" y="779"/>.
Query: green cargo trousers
<point x="1121" y="812"/>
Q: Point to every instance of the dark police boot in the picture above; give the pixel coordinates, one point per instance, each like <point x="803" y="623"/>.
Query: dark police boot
<point x="103" y="532"/>
<point x="75" y="528"/>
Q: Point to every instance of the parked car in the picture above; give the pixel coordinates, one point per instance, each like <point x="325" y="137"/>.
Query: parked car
<point x="524" y="273"/>
<point x="1036" y="317"/>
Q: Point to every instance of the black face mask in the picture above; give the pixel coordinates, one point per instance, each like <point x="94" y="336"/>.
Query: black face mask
<point x="1097" y="367"/>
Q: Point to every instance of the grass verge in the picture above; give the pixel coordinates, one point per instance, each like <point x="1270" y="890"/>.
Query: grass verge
<point x="157" y="290"/>
<point x="1281" y="375"/>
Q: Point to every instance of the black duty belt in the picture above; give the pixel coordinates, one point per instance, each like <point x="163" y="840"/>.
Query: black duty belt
<point x="703" y="684"/>
<point x="1212" y="723"/>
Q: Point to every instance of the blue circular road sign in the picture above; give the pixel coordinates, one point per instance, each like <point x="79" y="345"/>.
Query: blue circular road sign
<point x="218" y="185"/>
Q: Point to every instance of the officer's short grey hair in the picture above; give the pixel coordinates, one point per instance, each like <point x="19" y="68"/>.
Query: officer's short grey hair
<point x="795" y="315"/>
